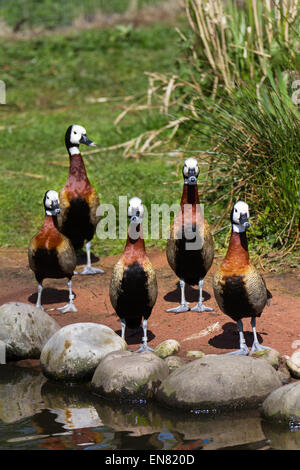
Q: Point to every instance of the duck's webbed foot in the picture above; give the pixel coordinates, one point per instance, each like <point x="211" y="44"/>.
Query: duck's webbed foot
<point x="70" y="307"/>
<point x="144" y="347"/>
<point x="184" y="306"/>
<point x="258" y="347"/>
<point x="200" y="307"/>
<point x="91" y="270"/>
<point x="88" y="269"/>
<point x="243" y="351"/>
<point x="180" y="309"/>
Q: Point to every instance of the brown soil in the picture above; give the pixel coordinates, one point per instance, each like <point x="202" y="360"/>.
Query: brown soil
<point x="211" y="332"/>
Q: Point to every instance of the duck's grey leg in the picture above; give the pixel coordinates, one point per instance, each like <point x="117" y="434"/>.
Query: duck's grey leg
<point x="184" y="306"/>
<point x="144" y="346"/>
<point x="89" y="269"/>
<point x="243" y="351"/>
<point x="70" y="307"/>
<point x="256" y="346"/>
<point x="39" y="297"/>
<point x="200" y="307"/>
<point x="123" y="326"/>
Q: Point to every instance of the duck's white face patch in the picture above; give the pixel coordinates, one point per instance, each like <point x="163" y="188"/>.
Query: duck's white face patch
<point x="51" y="196"/>
<point x="51" y="203"/>
<point x="240" y="208"/>
<point x="135" y="208"/>
<point x="76" y="133"/>
<point x="190" y="164"/>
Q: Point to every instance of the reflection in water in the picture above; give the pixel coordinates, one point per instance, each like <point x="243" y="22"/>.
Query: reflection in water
<point x="20" y="393"/>
<point x="72" y="409"/>
<point x="37" y="414"/>
<point x="281" y="437"/>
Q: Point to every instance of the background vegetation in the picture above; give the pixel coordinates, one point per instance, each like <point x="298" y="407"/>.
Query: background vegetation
<point x="215" y="83"/>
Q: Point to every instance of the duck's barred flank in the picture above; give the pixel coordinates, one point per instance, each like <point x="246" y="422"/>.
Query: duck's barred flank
<point x="50" y="253"/>
<point x="190" y="248"/>
<point x="239" y="288"/>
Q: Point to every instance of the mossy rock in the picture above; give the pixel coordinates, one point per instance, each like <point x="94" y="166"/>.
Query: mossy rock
<point x="272" y="356"/>
<point x="169" y="347"/>
<point x="195" y="354"/>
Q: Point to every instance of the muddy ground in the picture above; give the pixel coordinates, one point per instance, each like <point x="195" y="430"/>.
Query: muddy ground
<point x="212" y="332"/>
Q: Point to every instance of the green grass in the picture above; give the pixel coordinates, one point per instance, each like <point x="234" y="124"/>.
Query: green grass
<point x="51" y="14"/>
<point x="48" y="82"/>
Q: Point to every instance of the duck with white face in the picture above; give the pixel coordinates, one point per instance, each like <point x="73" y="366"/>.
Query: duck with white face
<point x="79" y="200"/>
<point x="240" y="217"/>
<point x="75" y="136"/>
<point x="190" y="248"/>
<point x="133" y="285"/>
<point x="50" y="253"/>
<point x="239" y="288"/>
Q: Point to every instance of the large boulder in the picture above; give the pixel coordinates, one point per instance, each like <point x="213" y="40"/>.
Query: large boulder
<point x="129" y="375"/>
<point x="283" y="404"/>
<point x="219" y="382"/>
<point x="73" y="353"/>
<point x="25" y="329"/>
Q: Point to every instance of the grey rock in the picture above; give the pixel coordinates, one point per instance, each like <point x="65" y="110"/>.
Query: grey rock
<point x="284" y="374"/>
<point x="173" y="362"/>
<point x="293" y="364"/>
<point x="129" y="375"/>
<point x="25" y="329"/>
<point x="169" y="347"/>
<point x="219" y="382"/>
<point x="283" y="404"/>
<point x="73" y="353"/>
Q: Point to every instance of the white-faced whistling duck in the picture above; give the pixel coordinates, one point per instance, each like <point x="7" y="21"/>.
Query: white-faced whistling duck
<point x="78" y="199"/>
<point x="50" y="253"/>
<point x="239" y="288"/>
<point x="133" y="285"/>
<point x="190" y="248"/>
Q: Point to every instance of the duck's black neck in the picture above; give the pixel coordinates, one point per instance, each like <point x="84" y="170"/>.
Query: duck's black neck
<point x="190" y="194"/>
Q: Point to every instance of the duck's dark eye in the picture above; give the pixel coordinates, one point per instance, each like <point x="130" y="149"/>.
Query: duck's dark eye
<point x="235" y="210"/>
<point x="75" y="132"/>
<point x="137" y="213"/>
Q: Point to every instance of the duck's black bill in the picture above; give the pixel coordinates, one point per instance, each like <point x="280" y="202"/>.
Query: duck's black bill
<point x="244" y="221"/>
<point x="85" y="140"/>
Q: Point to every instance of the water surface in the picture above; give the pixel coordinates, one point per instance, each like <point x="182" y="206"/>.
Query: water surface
<point x="37" y="414"/>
